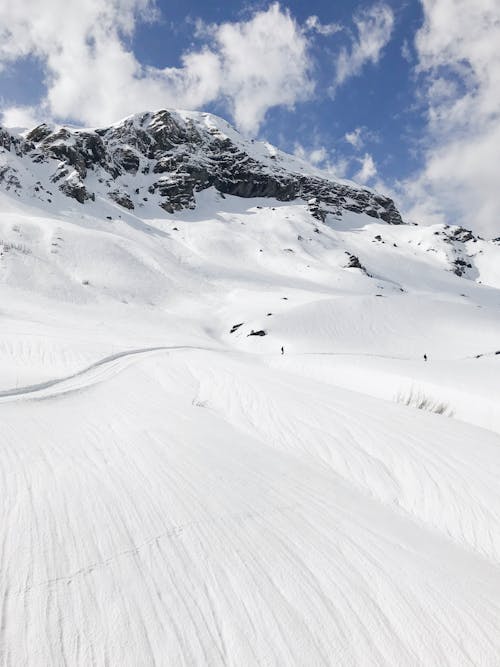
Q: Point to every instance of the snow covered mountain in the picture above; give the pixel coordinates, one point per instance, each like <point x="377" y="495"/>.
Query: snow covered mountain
<point x="177" y="491"/>
<point x="168" y="156"/>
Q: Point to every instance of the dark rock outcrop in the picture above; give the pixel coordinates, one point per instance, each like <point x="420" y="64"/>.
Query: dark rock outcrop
<point x="122" y="198"/>
<point x="354" y="263"/>
<point x="460" y="266"/>
<point x="178" y="155"/>
<point x="76" y="190"/>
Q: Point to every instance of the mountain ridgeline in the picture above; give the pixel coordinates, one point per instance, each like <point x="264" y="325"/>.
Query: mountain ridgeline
<point x="168" y="156"/>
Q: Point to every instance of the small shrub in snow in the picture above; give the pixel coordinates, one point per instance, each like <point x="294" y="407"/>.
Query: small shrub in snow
<point x="416" y="399"/>
<point x="6" y="246"/>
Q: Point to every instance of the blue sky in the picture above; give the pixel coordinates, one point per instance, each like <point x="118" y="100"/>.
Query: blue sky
<point x="380" y="100"/>
<point x="390" y="93"/>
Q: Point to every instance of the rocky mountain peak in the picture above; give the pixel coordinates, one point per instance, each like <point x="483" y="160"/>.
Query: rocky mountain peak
<point x="168" y="156"/>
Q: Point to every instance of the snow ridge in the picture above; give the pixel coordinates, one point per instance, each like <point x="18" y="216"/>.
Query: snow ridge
<point x="171" y="155"/>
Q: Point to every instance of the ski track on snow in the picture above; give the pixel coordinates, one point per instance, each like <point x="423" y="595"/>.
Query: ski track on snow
<point x="89" y="374"/>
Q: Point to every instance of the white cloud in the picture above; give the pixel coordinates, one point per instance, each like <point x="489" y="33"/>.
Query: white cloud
<point x="459" y="59"/>
<point x="264" y="63"/>
<point x="337" y="167"/>
<point x="18" y="117"/>
<point x="326" y="29"/>
<point x="327" y="160"/>
<point x="315" y="156"/>
<point x="406" y="53"/>
<point x="441" y="90"/>
<point x="354" y="138"/>
<point x="374" y="26"/>
<point x="368" y="169"/>
<point x="92" y="76"/>
<point x="318" y="155"/>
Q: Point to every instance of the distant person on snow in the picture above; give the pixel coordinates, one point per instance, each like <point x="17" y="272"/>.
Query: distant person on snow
<point x="282" y="350"/>
<point x="425" y="357"/>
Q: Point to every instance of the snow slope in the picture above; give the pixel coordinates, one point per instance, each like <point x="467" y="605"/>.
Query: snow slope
<point x="177" y="494"/>
<point x="183" y="509"/>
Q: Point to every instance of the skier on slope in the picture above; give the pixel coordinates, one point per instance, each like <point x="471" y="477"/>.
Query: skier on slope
<point x="282" y="350"/>
<point x="425" y="356"/>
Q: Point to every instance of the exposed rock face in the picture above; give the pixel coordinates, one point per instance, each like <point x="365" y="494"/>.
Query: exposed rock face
<point x="316" y="210"/>
<point x="460" y="266"/>
<point x="122" y="198"/>
<point x="460" y="234"/>
<point x="354" y="263"/>
<point x="9" y="178"/>
<point x="461" y="243"/>
<point x="173" y="155"/>
<point x="73" y="187"/>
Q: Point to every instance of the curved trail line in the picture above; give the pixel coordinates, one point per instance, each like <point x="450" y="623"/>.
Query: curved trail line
<point x="31" y="391"/>
<point x="34" y="389"/>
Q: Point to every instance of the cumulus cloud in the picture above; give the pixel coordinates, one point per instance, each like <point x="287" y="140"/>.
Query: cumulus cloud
<point x="264" y="63"/>
<point x="19" y="117"/>
<point x="459" y="62"/>
<point x="374" y="27"/>
<point x="368" y="169"/>
<point x="93" y="77"/>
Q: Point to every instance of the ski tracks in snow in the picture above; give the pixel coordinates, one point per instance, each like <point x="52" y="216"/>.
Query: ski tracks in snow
<point x="97" y="372"/>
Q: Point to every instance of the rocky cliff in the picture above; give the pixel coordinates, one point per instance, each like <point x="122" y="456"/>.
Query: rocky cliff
<point x="167" y="157"/>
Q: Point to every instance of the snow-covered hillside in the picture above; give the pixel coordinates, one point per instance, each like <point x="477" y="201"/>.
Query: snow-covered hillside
<point x="175" y="491"/>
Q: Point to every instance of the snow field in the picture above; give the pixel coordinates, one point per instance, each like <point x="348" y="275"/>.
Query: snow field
<point x="176" y="494"/>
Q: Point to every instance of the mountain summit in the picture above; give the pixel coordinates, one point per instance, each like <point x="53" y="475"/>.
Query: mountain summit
<point x="167" y="157"/>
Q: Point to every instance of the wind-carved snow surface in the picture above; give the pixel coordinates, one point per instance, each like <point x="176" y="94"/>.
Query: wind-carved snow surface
<point x="177" y="494"/>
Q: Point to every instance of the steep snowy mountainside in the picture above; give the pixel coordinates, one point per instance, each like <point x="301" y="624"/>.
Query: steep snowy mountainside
<point x="175" y="491"/>
<point x="165" y="157"/>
